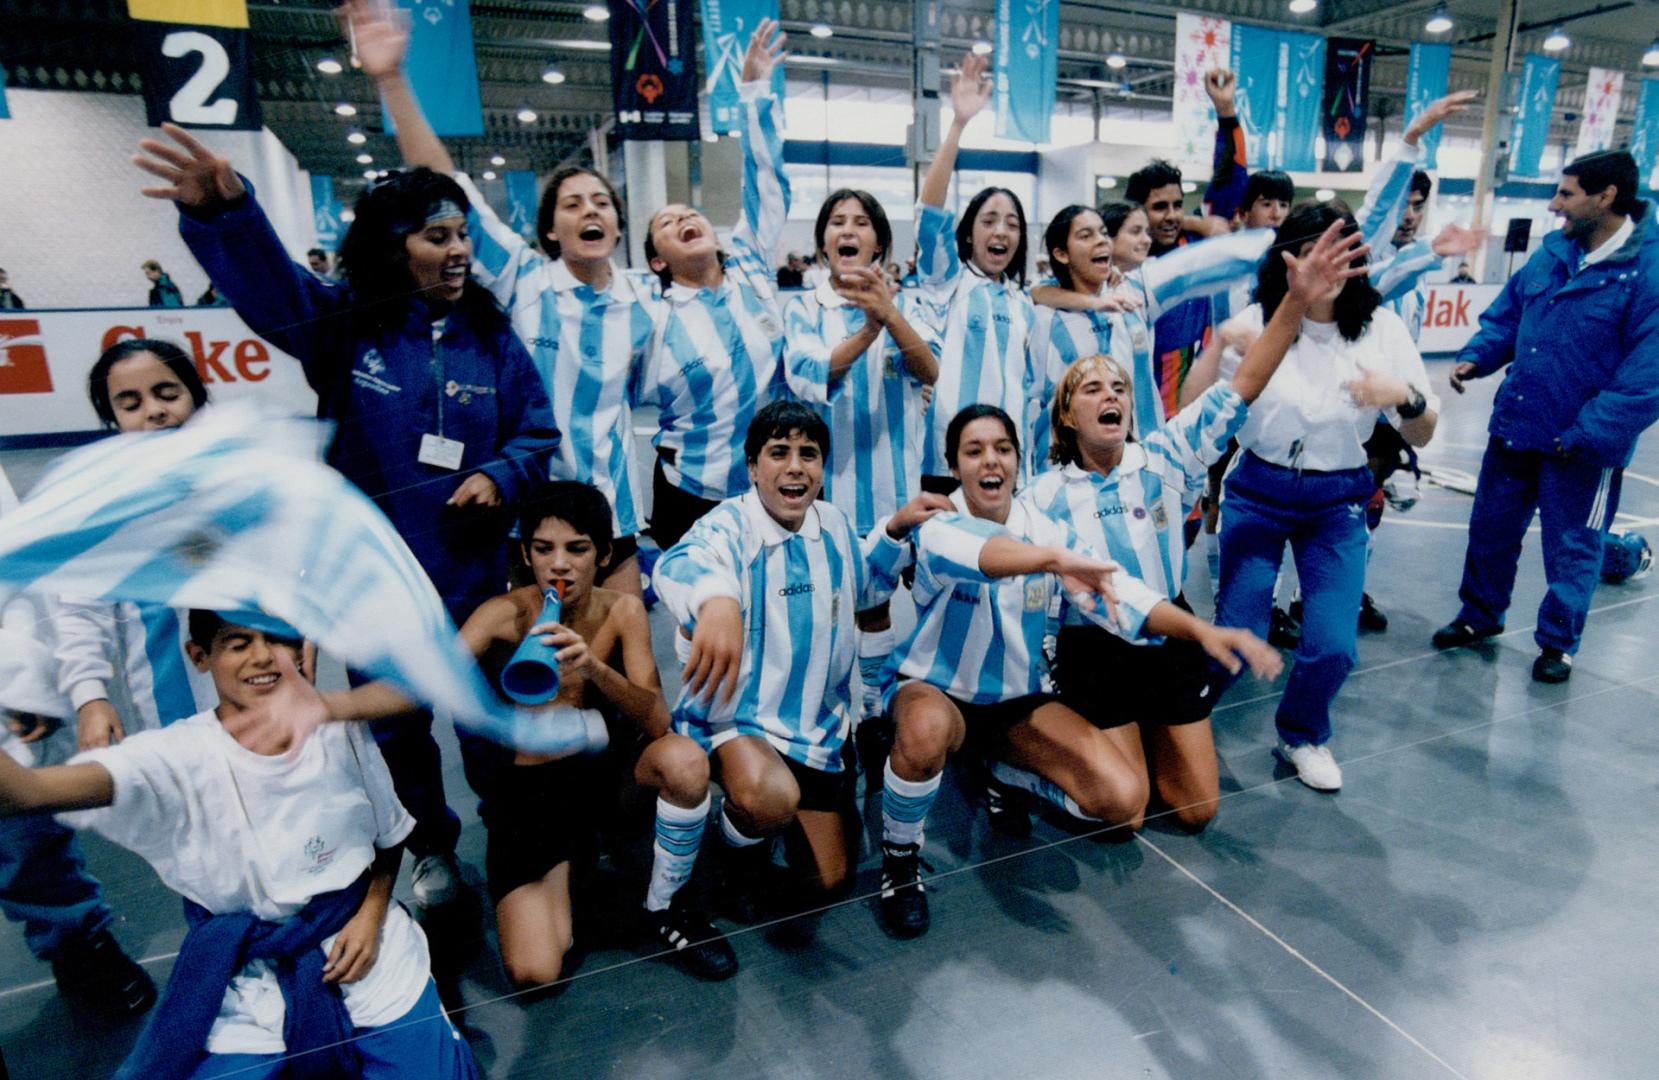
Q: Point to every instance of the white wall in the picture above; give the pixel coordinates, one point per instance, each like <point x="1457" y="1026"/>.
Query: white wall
<point x="73" y="227"/>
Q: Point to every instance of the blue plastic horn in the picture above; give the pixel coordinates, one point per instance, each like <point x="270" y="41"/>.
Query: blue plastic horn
<point x="531" y="677"/>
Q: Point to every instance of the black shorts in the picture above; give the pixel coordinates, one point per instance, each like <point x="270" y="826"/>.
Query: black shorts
<point x="538" y="816"/>
<point x="940" y="485"/>
<point x="1111" y="682"/>
<point x="987" y="725"/>
<point x="826" y="791"/>
<point x="623" y="548"/>
<point x="673" y="511"/>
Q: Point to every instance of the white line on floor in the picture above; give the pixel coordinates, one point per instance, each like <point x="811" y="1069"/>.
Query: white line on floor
<point x="1297" y="953"/>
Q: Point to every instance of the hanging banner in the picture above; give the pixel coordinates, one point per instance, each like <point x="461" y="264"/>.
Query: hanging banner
<point x="521" y="202"/>
<point x="727" y="25"/>
<point x="1427" y="74"/>
<point x="230" y="14"/>
<point x="1644" y="133"/>
<point x="325" y="213"/>
<point x="5" y="110"/>
<point x="1601" y="110"/>
<point x="653" y="69"/>
<point x="197" y="76"/>
<point x="440" y="66"/>
<point x="1201" y="43"/>
<point x="1532" y="113"/>
<point x="1027" y="59"/>
<point x="1347" y="93"/>
<point x="1280" y="74"/>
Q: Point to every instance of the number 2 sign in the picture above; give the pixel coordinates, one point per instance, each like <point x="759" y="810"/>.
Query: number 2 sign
<point x="198" y="76"/>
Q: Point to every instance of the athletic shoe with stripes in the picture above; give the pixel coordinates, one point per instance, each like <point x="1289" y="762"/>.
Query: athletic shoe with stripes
<point x="694" y="944"/>
<point x="903" y="903"/>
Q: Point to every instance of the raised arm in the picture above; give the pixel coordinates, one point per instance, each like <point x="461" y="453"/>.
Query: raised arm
<point x="1230" y="167"/>
<point x="380" y="37"/>
<point x="1205" y="268"/>
<point x="765" y="191"/>
<point x="970" y="92"/>
<point x="1385" y="200"/>
<point x="636" y="690"/>
<point x="53" y="788"/>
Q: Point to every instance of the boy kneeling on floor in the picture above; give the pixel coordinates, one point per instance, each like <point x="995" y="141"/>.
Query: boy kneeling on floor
<point x="297" y="962"/>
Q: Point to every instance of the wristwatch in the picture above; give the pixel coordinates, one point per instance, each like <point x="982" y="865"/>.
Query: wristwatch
<point x="1417" y="406"/>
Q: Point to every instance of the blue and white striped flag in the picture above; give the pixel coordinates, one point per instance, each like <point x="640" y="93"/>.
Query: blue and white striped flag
<point x="235" y="512"/>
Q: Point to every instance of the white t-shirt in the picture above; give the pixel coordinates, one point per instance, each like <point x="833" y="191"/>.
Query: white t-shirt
<point x="1304" y="418"/>
<point x="238" y="831"/>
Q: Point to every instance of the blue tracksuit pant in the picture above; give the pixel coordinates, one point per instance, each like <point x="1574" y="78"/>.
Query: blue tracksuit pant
<point x="44" y="884"/>
<point x="1574" y="501"/>
<point x="1322" y="516"/>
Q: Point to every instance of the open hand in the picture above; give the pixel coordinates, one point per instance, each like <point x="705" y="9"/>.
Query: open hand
<point x="476" y="490"/>
<point x="573" y="655"/>
<point x="917" y="510"/>
<point x="195" y="175"/>
<point x="98" y="725"/>
<point x="356" y="947"/>
<point x="1232" y="649"/>
<point x="1437" y="113"/>
<point x="1374" y="390"/>
<point x="765" y="51"/>
<point x="865" y="288"/>
<point x="1334" y="259"/>
<point x="1455" y="239"/>
<point x="1085" y="579"/>
<point x="379" y="35"/>
<point x="281" y="721"/>
<point x="716" y="659"/>
<point x="970" y="91"/>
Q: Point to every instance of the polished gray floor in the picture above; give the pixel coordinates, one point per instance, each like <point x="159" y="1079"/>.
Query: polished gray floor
<point x="1476" y="902"/>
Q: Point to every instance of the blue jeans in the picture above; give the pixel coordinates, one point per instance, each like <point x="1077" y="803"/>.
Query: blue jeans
<point x="1322" y="516"/>
<point x="44" y="884"/>
<point x="1574" y="501"/>
<point x="417" y="770"/>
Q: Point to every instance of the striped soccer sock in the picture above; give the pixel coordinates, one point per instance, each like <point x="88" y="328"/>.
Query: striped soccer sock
<point x="679" y="835"/>
<point x="874" y="647"/>
<point x="904" y="806"/>
<point x="1040" y="786"/>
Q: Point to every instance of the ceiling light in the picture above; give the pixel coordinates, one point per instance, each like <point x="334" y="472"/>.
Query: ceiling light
<point x="1440" y="21"/>
<point x="822" y="30"/>
<point x="1302" y="7"/>
<point x="596" y="13"/>
<point x="527" y="115"/>
<point x="489" y="174"/>
<point x="1104" y="182"/>
<point x="711" y="136"/>
<point x="498" y="160"/>
<point x="1324" y="194"/>
<point x="982" y="48"/>
<point x="1651" y="57"/>
<point x="552" y="76"/>
<point x="369" y="174"/>
<point x="345" y="108"/>
<point x="328" y="65"/>
<point x="365" y="159"/>
<point x="1557" y="40"/>
<point x="356" y="138"/>
<point x="1115" y="61"/>
<point x="1188" y="186"/>
<point x="348" y="215"/>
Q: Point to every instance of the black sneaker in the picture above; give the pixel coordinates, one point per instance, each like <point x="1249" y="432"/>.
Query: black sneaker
<point x="874" y="739"/>
<point x="1457" y="633"/>
<point x="742" y="881"/>
<point x="903" y="903"/>
<point x="1552" y="666"/>
<point x="1284" y="630"/>
<point x="1371" y="617"/>
<point x="98" y="972"/>
<point x="696" y="946"/>
<point x="1006" y="810"/>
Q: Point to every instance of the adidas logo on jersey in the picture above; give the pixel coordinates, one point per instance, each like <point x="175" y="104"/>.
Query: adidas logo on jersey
<point x="796" y="590"/>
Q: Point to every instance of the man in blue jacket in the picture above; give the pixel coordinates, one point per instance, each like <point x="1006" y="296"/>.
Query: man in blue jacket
<point x="1579" y="328"/>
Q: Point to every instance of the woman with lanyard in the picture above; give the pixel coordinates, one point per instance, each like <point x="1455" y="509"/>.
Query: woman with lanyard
<point x="1126" y="491"/>
<point x="992" y="579"/>
<point x="440" y="415"/>
<point x="972" y="278"/>
<point x="717" y="353"/>
<point x="861" y="358"/>
<point x="1302" y="478"/>
<point x="587" y="326"/>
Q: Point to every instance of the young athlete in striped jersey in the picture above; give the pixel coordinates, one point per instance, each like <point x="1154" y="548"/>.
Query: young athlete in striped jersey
<point x="993" y="580"/>
<point x="972" y="277"/>
<point x="718" y="349"/>
<point x="587" y="326"/>
<point x="860" y="357"/>
<point x="1128" y="494"/>
<point x="764" y="588"/>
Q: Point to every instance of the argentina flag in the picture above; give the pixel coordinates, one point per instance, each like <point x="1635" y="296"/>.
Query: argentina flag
<point x="233" y="512"/>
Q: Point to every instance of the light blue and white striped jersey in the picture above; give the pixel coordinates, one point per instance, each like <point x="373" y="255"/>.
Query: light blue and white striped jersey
<point x="131" y="655"/>
<point x="980" y="639"/>
<point x="985" y="327"/>
<point x="1211" y="267"/>
<point x="1398" y="275"/>
<point x="1385" y="200"/>
<point x="1134" y="514"/>
<point x="1400" y="281"/>
<point x="589" y="345"/>
<point x="717" y="353"/>
<point x="798" y="593"/>
<point x="1060" y="337"/>
<point x="874" y="409"/>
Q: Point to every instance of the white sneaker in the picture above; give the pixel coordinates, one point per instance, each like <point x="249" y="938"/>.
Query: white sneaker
<point x="436" y="880"/>
<point x="1401" y="490"/>
<point x="1314" y="765"/>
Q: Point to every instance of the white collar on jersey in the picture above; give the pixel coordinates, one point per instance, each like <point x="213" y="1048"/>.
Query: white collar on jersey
<point x="1133" y="459"/>
<point x="827" y="296"/>
<point x="767" y="528"/>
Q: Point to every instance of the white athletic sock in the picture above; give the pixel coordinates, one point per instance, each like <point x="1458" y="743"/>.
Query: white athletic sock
<point x="1212" y="560"/>
<point x="679" y="835"/>
<point x="735" y="836"/>
<point x="904" y="806"/>
<point x="874" y="647"/>
<point x="1039" y="786"/>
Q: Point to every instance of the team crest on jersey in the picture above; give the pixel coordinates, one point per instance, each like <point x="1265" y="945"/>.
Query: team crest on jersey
<point x="769" y="324"/>
<point x="1160" y="516"/>
<point x="1036" y="595"/>
<point x="317" y="854"/>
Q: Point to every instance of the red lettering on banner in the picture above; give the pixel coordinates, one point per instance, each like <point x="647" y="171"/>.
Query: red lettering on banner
<point x="1446" y="312"/>
<point x="23" y="368"/>
<point x="207" y="363"/>
<point x="249" y="353"/>
<point x="119" y="333"/>
<point x="1460" y="317"/>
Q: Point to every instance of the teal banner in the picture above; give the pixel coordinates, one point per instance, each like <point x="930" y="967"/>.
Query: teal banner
<point x="1539" y="78"/>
